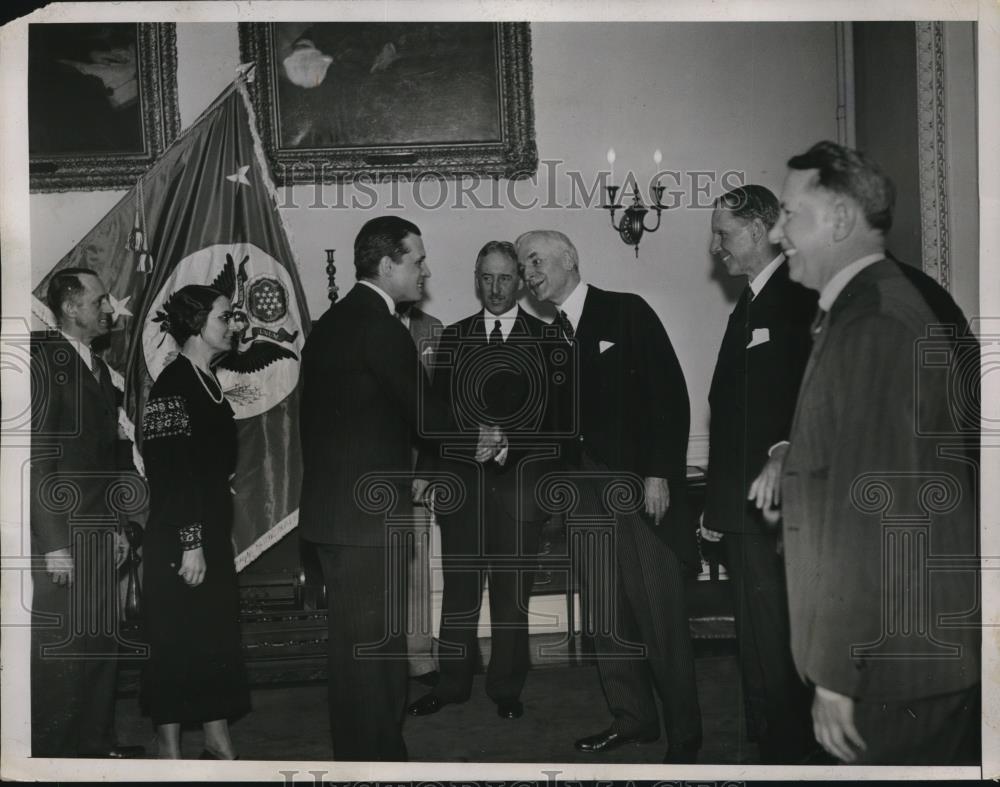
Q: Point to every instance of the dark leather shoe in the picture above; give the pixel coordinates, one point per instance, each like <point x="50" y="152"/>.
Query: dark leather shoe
<point x="510" y="709"/>
<point x="425" y="706"/>
<point x="610" y="740"/>
<point x="429" y="679"/>
<point x="119" y="753"/>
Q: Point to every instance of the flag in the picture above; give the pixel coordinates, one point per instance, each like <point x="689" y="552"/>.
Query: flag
<point x="206" y="213"/>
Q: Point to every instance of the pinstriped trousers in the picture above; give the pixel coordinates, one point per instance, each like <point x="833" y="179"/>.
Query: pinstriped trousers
<point x="367" y="664"/>
<point x="641" y="637"/>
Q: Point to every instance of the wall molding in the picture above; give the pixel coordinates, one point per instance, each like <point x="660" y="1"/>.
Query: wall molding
<point x="844" y="48"/>
<point x="932" y="151"/>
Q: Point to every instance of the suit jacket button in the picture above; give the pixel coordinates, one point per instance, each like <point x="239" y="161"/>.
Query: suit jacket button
<point x="859" y="664"/>
<point x="580" y="439"/>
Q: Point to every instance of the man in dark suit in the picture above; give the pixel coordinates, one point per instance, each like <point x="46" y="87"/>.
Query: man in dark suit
<point x="752" y="398"/>
<point x="76" y="458"/>
<point x="630" y="405"/>
<point x="425" y="330"/>
<point x="361" y="410"/>
<point x="876" y="483"/>
<point x="493" y="369"/>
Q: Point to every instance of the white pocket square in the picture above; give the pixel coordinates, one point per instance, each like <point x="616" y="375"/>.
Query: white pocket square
<point x="603" y="345"/>
<point x="760" y="336"/>
<point x="427" y="351"/>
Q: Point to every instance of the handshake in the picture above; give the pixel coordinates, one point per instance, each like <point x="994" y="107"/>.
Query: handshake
<point x="492" y="445"/>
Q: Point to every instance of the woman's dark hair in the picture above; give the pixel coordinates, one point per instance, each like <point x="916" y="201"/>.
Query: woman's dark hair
<point x="187" y="309"/>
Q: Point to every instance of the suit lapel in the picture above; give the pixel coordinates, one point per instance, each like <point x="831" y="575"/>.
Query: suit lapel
<point x="476" y="331"/>
<point x="102" y="391"/>
<point x="87" y="375"/>
<point x="419" y="328"/>
<point x="588" y="333"/>
<point x="819" y="339"/>
<point x="731" y="361"/>
<point x="590" y="315"/>
<point x="106" y="386"/>
<point x="520" y="326"/>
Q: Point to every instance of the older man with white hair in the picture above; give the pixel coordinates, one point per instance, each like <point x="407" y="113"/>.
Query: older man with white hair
<point x="631" y="416"/>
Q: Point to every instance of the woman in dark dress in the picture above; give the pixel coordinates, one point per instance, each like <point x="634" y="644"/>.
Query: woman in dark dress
<point x="195" y="672"/>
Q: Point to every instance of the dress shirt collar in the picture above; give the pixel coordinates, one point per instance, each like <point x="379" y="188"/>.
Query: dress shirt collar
<point x="573" y="305"/>
<point x="840" y="280"/>
<point x="389" y="302"/>
<point x="85" y="352"/>
<point x="506" y="321"/>
<point x="764" y="276"/>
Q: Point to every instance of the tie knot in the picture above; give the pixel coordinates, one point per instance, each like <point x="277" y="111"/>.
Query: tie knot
<point x="496" y="335"/>
<point x="565" y="324"/>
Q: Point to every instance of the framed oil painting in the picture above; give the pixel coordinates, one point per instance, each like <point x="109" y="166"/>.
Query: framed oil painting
<point x="335" y="100"/>
<point x="102" y="103"/>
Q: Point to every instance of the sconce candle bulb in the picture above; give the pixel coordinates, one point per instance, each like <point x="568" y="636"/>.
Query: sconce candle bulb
<point x="632" y="224"/>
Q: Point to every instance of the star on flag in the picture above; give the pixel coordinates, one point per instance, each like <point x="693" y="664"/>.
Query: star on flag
<point x="120" y="306"/>
<point x="240" y="176"/>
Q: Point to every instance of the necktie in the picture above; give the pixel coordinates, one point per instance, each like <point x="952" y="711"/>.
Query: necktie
<point x="818" y="321"/>
<point x="496" y="335"/>
<point x="95" y="368"/>
<point x="567" y="327"/>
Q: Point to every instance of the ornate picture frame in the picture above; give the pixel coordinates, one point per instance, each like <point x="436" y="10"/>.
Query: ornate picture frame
<point x="336" y="101"/>
<point x="102" y="103"/>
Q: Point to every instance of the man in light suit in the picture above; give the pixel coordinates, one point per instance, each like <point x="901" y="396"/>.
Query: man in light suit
<point x="752" y="398"/>
<point x="362" y="409"/>
<point x="494" y="368"/>
<point x="425" y="330"/>
<point x="876" y="482"/>
<point x="76" y="456"/>
<point x="631" y="407"/>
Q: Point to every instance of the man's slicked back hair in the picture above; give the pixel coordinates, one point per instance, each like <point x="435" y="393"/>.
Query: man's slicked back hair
<point x="853" y="174"/>
<point x="380" y="237"/>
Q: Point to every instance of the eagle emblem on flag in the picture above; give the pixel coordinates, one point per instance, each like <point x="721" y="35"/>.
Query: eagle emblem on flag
<point x="253" y="377"/>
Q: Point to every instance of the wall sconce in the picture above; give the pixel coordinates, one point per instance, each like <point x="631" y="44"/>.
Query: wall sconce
<point x="632" y="224"/>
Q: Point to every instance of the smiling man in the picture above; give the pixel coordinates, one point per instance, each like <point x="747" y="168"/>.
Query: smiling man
<point x="495" y="370"/>
<point x="359" y="416"/>
<point x="631" y="409"/>
<point x="75" y="457"/>
<point x="752" y="398"/>
<point x="876" y="467"/>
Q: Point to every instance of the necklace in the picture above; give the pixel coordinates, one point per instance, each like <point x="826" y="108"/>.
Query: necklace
<point x="201" y="378"/>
